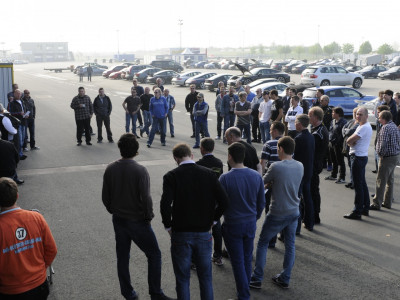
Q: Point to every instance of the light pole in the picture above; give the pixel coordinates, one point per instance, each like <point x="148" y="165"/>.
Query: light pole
<point x="118" y="44"/>
<point x="318" y="42"/>
<point x="180" y="23"/>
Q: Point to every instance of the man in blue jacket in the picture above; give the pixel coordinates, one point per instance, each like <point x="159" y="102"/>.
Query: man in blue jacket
<point x="228" y="109"/>
<point x="200" y="113"/>
<point x="171" y="105"/>
<point x="158" y="110"/>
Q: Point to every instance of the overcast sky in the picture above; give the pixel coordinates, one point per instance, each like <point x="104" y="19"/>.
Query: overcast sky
<point x="98" y="25"/>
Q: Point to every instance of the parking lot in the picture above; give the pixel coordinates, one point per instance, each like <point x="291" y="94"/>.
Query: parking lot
<point x="340" y="259"/>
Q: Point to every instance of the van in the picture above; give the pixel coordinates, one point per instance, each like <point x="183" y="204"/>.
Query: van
<point x="167" y="64"/>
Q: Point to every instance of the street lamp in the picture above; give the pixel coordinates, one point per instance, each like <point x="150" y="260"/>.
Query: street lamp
<point x="180" y="23"/>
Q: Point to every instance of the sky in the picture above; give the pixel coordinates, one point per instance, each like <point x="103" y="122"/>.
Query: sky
<point x="106" y="26"/>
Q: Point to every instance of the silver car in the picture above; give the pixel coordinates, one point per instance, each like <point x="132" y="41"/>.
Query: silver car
<point x="330" y="75"/>
<point x="181" y="79"/>
<point x="370" y="106"/>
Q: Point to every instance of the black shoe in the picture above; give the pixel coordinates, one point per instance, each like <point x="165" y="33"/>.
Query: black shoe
<point x="23" y="157"/>
<point x="19" y="181"/>
<point x="383" y="205"/>
<point x="172" y="135"/>
<point x="92" y="133"/>
<point x="137" y="137"/>
<point x="99" y="141"/>
<point x="148" y="146"/>
<point x="348" y="185"/>
<point x="374" y="207"/>
<point x="89" y="143"/>
<point x="352" y="216"/>
<point x="192" y="136"/>
<point x="317" y="220"/>
<point x="374" y="171"/>
<point x="281" y="238"/>
<point x="35" y="148"/>
<point x="141" y="132"/>
<point x="111" y="141"/>
<point x="278" y="281"/>
<point x="255" y="284"/>
<point x="365" y="213"/>
<point x="225" y="253"/>
<point x="161" y="297"/>
<point x="254" y="141"/>
<point x="79" y="143"/>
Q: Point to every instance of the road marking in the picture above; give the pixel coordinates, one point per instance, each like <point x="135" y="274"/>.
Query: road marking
<point x="48" y="76"/>
<point x="75" y="169"/>
<point x="176" y="110"/>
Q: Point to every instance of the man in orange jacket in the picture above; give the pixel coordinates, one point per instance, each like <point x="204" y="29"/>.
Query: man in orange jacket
<point x="27" y="248"/>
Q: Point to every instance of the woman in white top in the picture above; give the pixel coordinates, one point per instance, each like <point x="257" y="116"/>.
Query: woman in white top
<point x="291" y="114"/>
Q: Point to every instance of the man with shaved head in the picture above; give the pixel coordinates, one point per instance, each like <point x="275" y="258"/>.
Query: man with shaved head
<point x="359" y="144"/>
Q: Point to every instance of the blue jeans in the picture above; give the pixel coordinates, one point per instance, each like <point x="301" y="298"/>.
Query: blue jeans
<point x="148" y="120"/>
<point x="232" y="118"/>
<point x="157" y="124"/>
<point x="171" y="122"/>
<point x="128" y="118"/>
<point x="21" y="137"/>
<point x="272" y="225"/>
<point x="188" y="246"/>
<point x="200" y="127"/>
<point x="361" y="199"/>
<point x="264" y="129"/>
<point x="246" y="129"/>
<point x="143" y="236"/>
<point x="226" y="124"/>
<point x="239" y="241"/>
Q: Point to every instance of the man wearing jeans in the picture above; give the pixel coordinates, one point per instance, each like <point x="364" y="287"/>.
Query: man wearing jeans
<point x="264" y="116"/>
<point x="171" y="105"/>
<point x="283" y="212"/>
<point x="359" y="144"/>
<point x="200" y="113"/>
<point x="128" y="199"/>
<point x="245" y="190"/>
<point x="131" y="106"/>
<point x="83" y="107"/>
<point x="145" y="99"/>
<point x="243" y="112"/>
<point x="159" y="110"/>
<point x="192" y="201"/>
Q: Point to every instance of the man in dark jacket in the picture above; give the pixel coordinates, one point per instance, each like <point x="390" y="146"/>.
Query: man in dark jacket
<point x="336" y="146"/>
<point x="327" y="119"/>
<point x="30" y="121"/>
<point x="304" y="153"/>
<point x="126" y="195"/>
<point x="9" y="161"/>
<point x="193" y="200"/>
<point x="17" y="109"/>
<point x="102" y="107"/>
<point x="89" y="71"/>
<point x="321" y="138"/>
<point x="83" y="107"/>
<point x="190" y="101"/>
<point x="389" y="101"/>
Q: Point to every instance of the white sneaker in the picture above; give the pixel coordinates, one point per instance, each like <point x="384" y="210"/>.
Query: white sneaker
<point x="218" y="138"/>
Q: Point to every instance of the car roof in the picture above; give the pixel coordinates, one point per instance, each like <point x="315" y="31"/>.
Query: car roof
<point x="202" y="74"/>
<point x="219" y="75"/>
<point x="269" y="84"/>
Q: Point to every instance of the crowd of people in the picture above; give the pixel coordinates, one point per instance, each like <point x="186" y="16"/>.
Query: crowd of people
<point x="195" y="195"/>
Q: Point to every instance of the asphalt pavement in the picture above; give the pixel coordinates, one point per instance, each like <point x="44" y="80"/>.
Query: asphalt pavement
<point x="340" y="259"/>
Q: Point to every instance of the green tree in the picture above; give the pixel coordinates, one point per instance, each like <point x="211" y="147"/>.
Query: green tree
<point x="332" y="48"/>
<point x="385" y="49"/>
<point x="299" y="50"/>
<point x="315" y="49"/>
<point x="365" y="48"/>
<point x="253" y="50"/>
<point x="284" y="50"/>
<point x="348" y="48"/>
<point x="261" y="49"/>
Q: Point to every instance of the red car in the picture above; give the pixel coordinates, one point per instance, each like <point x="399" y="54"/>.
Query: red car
<point x="117" y="74"/>
<point x="110" y="70"/>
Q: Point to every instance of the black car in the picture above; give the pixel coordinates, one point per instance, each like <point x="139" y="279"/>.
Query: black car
<point x="289" y="67"/>
<point x="393" y="73"/>
<point x="165" y="75"/>
<point x="199" y="80"/>
<point x="371" y="71"/>
<point x="258" y="73"/>
<point x="142" y="75"/>
<point x="132" y="70"/>
<point x="278" y="65"/>
<point x="298" y="69"/>
<point x="212" y="82"/>
<point x="353" y="68"/>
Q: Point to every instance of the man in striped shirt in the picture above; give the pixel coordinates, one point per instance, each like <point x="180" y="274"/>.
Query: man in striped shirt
<point x="269" y="153"/>
<point x="388" y="149"/>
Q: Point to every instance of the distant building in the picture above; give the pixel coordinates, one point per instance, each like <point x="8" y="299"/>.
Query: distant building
<point x="44" y="52"/>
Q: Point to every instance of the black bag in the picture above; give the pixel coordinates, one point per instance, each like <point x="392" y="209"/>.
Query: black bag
<point x="14" y="121"/>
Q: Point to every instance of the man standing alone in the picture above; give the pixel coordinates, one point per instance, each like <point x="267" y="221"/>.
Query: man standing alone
<point x="126" y="195"/>
<point x="83" y="107"/>
<point x="102" y="107"/>
<point x="190" y="100"/>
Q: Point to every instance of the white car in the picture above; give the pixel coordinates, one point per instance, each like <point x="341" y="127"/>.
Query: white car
<point x="279" y="86"/>
<point x="330" y="75"/>
<point x="370" y="106"/>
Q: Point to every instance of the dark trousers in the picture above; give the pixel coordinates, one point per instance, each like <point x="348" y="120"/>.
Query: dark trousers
<point x="80" y="126"/>
<point x="219" y="123"/>
<point x="143" y="236"/>
<point x="193" y="123"/>
<point x="255" y="129"/>
<point x="89" y="77"/>
<point x="293" y="133"/>
<point x="217" y="236"/>
<point x="139" y="117"/>
<point x="80" y="77"/>
<point x="31" y="128"/>
<point x="328" y="158"/>
<point x="361" y="199"/>
<point x="106" y="120"/>
<point x="337" y="161"/>
<point x="38" y="293"/>
<point x="315" y="195"/>
<point x="245" y="128"/>
<point x="306" y="205"/>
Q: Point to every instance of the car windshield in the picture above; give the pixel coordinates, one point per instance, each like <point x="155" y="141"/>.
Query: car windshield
<point x="310" y="70"/>
<point x="369" y="68"/>
<point x="394" y="69"/>
<point x="309" y="93"/>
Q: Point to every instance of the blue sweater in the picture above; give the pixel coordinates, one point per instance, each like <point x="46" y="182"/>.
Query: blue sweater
<point x="158" y="107"/>
<point x="245" y="189"/>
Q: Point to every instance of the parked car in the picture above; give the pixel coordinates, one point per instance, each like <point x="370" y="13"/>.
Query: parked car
<point x="96" y="71"/>
<point x="212" y="82"/>
<point x="165" y="75"/>
<point x="258" y="73"/>
<point x="200" y="64"/>
<point x="142" y="75"/>
<point x="167" y="64"/>
<point x="353" y="68"/>
<point x="393" y="73"/>
<point x="261" y="81"/>
<point x="371" y="71"/>
<point x="344" y="97"/>
<point x="288" y="67"/>
<point x="132" y="70"/>
<point x="277" y="65"/>
<point x="298" y="69"/>
<point x="112" y="69"/>
<point x="370" y="106"/>
<point x="117" y="74"/>
<point x="330" y="75"/>
<point x="394" y="62"/>
<point x="211" y="65"/>
<point x="199" y="80"/>
<point x="269" y="86"/>
<point x="181" y="78"/>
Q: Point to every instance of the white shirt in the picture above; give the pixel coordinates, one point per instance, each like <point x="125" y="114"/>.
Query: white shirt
<point x="361" y="147"/>
<point x="265" y="109"/>
<point x="291" y="116"/>
<point x="8" y="126"/>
